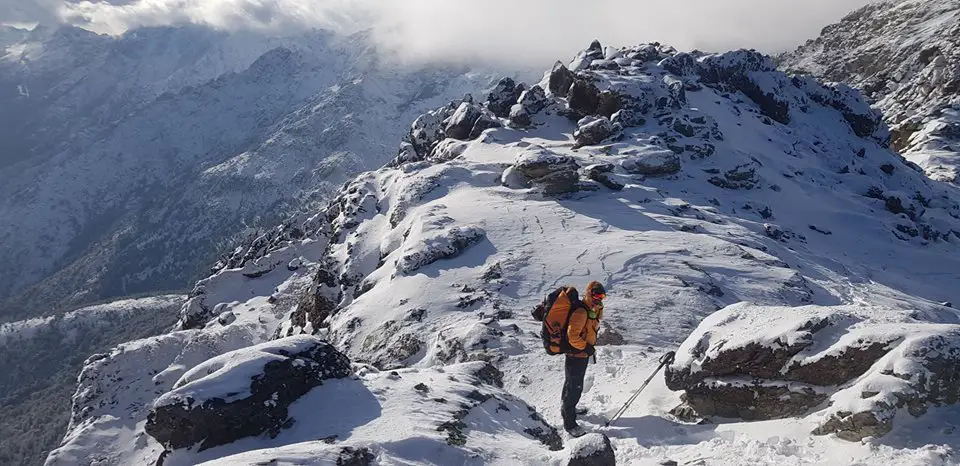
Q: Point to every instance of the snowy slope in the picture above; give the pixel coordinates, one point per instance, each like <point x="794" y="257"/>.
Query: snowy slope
<point x="135" y="158"/>
<point x="716" y="180"/>
<point x="905" y="56"/>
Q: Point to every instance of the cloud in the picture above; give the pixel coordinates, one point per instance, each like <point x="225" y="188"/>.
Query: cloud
<point x="513" y="32"/>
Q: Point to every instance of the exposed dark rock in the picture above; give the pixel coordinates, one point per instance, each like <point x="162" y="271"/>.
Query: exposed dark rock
<point x="547" y="435"/>
<point x="561" y="78"/>
<point x="734" y="69"/>
<point x="484" y="122"/>
<point x="741" y="177"/>
<point x="751" y="402"/>
<point x="583" y="97"/>
<point x="835" y="370"/>
<point x="609" y="336"/>
<point x="601" y="173"/>
<point x="552" y="173"/>
<point x="595" y="50"/>
<point x="854" y="427"/>
<point x="608" y="103"/>
<point x="460" y="124"/>
<point x="503" y="96"/>
<point x="450" y="243"/>
<point x="530" y="102"/>
<point x="351" y="456"/>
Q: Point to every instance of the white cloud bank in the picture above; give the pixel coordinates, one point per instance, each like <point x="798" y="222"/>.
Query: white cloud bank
<point x="525" y="32"/>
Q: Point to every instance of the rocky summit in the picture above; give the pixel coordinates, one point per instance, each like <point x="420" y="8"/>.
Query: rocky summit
<point x="904" y="55"/>
<point x="759" y="221"/>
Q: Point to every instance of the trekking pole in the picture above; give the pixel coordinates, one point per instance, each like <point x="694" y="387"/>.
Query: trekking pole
<point x="664" y="360"/>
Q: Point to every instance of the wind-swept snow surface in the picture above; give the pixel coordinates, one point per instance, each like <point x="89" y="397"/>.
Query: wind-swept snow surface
<point x="710" y="180"/>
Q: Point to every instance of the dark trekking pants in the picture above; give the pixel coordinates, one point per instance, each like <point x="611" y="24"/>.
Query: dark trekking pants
<point x="574" y="370"/>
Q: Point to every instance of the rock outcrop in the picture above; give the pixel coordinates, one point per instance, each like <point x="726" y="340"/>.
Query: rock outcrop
<point x="243" y="393"/>
<point x="862" y="365"/>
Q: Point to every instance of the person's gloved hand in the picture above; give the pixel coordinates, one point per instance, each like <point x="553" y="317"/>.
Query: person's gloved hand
<point x="590" y="350"/>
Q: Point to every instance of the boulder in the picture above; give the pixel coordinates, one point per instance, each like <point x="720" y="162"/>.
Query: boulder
<point x="608" y="103"/>
<point x="561" y="78"/>
<point x="592" y="449"/>
<point x="425" y="132"/>
<point x="533" y="100"/>
<point x="483" y="123"/>
<point x="519" y="116"/>
<point x="583" y="97"/>
<point x="595" y="50"/>
<point x="530" y="102"/>
<point x="757" y="362"/>
<point x="503" y="96"/>
<point x="460" y="124"/>
<point x="243" y="393"/>
<point x="601" y="173"/>
<point x="654" y="163"/>
<point x="591" y="131"/>
<point x="550" y="172"/>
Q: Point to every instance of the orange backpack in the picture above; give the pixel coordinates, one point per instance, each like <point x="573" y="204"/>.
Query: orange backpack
<point x="555" y="312"/>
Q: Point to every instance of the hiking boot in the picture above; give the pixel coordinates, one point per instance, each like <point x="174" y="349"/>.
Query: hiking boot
<point x="575" y="431"/>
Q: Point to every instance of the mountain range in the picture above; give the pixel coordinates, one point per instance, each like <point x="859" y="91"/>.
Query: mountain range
<point x="374" y="237"/>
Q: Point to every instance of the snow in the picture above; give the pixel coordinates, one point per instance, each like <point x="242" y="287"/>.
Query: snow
<point x="671" y="251"/>
<point x="71" y="325"/>
<point x="226" y="373"/>
<point x="900" y="53"/>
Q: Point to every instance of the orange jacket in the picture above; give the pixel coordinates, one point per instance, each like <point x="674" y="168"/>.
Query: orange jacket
<point x="584" y="326"/>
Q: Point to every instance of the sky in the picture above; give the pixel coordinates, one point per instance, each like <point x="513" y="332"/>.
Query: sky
<point x="501" y="31"/>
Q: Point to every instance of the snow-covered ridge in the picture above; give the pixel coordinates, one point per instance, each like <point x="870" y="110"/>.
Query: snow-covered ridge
<point x="685" y="182"/>
<point x="86" y="319"/>
<point x="905" y="56"/>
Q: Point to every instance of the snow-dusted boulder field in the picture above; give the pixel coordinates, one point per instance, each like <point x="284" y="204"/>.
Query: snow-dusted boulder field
<point x="722" y="185"/>
<point x="859" y="365"/>
<point x="904" y="55"/>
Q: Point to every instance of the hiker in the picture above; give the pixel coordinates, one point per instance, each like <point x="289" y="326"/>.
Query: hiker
<point x="581" y="336"/>
<point x="569" y="327"/>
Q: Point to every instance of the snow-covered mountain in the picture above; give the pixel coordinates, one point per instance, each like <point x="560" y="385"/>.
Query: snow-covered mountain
<point x="129" y="161"/>
<point x="393" y="325"/>
<point x="905" y="56"/>
<point x="40" y="359"/>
